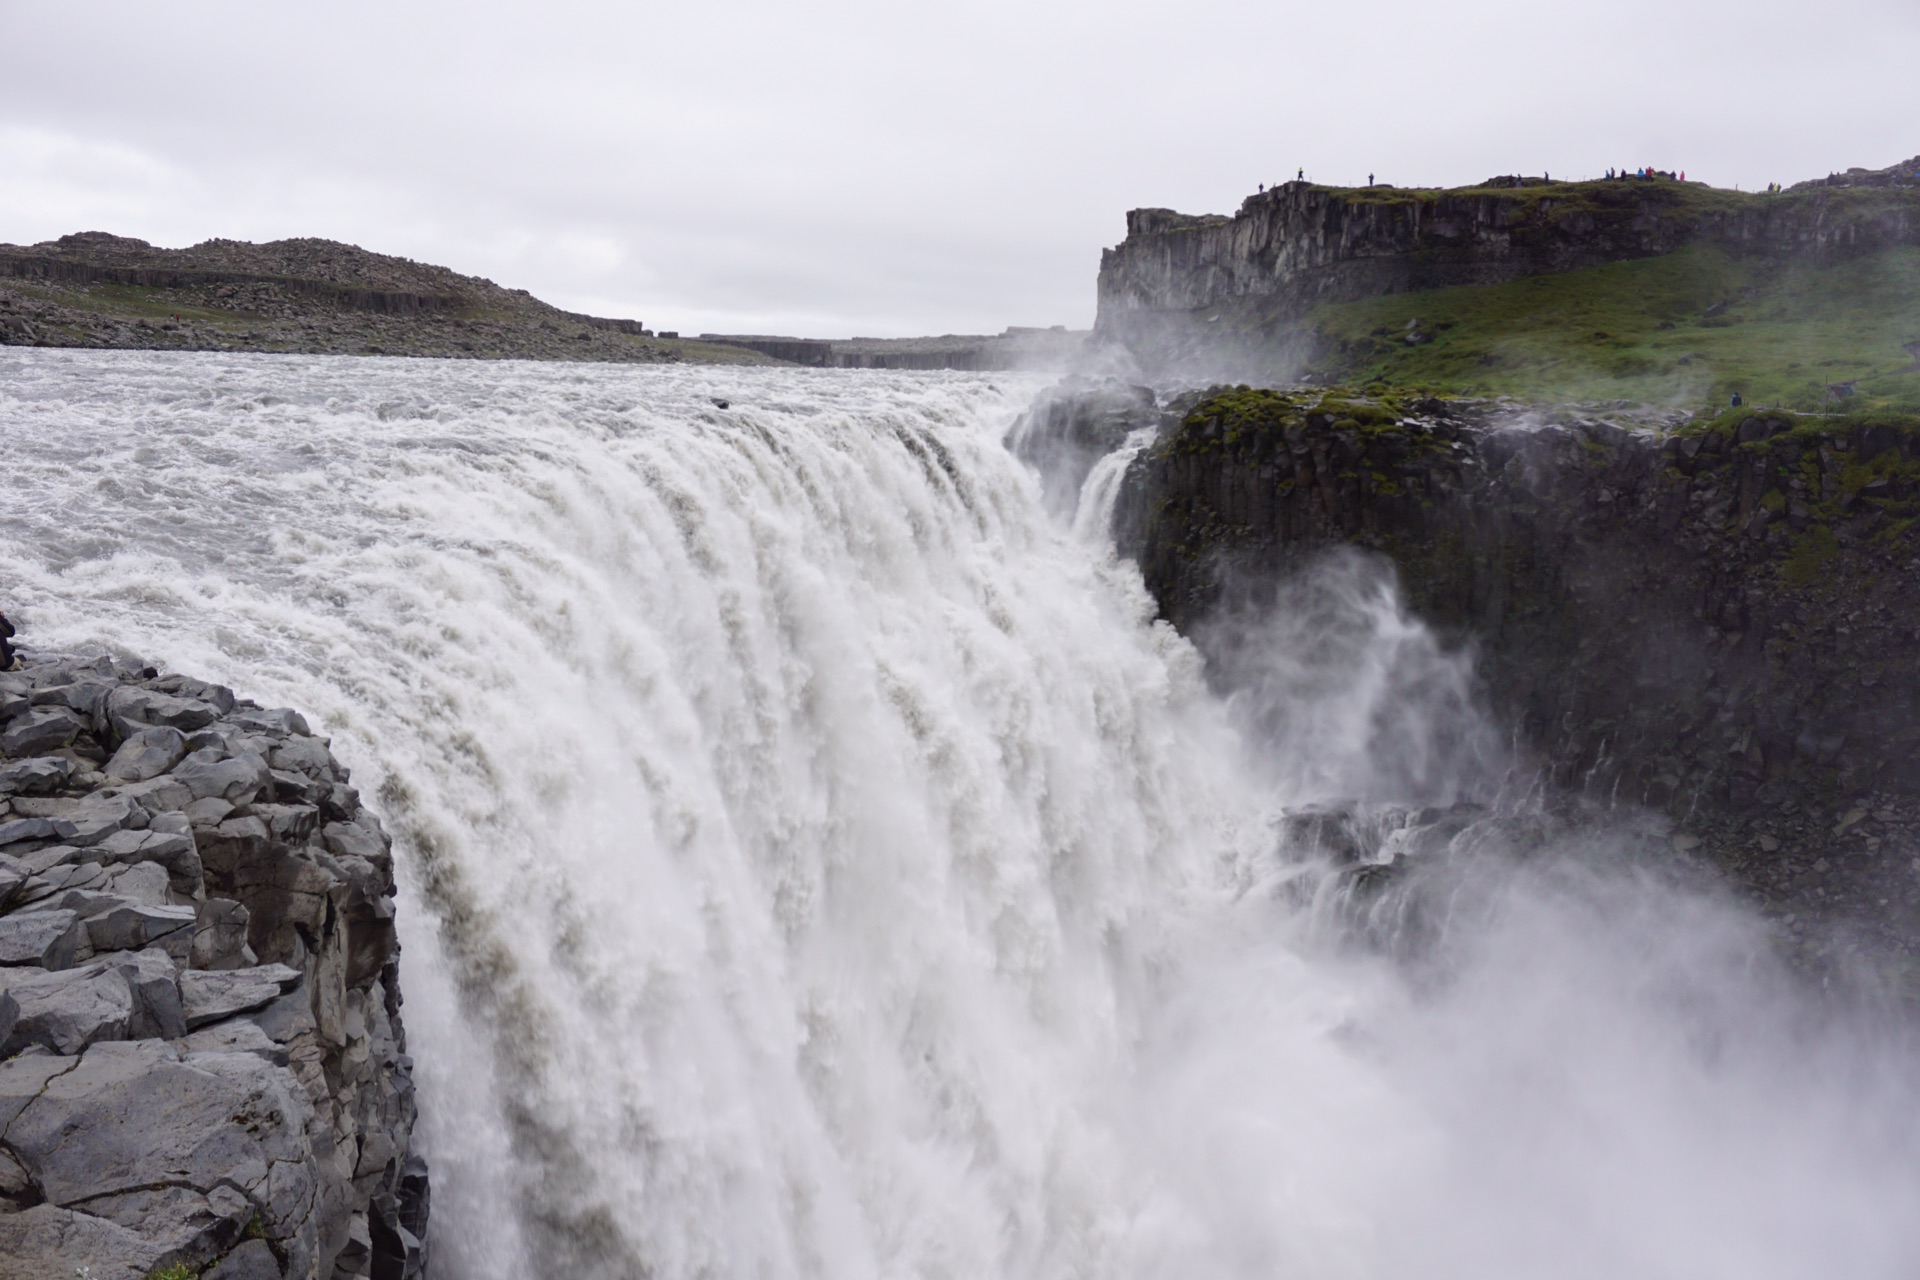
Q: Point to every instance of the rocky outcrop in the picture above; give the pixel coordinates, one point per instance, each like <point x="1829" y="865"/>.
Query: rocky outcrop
<point x="1709" y="619"/>
<point x="202" y="1063"/>
<point x="1217" y="293"/>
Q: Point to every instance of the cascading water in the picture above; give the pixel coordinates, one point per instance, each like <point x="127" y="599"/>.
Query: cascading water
<point x="817" y="863"/>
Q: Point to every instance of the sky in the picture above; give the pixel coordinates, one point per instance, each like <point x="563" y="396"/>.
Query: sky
<point x="873" y="167"/>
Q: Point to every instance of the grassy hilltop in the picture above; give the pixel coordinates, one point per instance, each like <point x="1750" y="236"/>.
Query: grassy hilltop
<point x="1685" y="329"/>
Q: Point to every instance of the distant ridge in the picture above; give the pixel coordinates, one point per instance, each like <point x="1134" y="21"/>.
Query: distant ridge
<point x="94" y="289"/>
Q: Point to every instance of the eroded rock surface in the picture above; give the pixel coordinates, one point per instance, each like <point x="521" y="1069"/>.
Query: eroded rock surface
<point x="201" y="1054"/>
<point x="1711" y="619"/>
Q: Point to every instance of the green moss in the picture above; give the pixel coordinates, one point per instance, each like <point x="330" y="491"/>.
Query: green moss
<point x="1812" y="553"/>
<point x="1774" y="501"/>
<point x="173" y="1271"/>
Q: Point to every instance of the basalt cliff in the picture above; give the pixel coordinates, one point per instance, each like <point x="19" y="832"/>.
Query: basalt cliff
<point x="203" y="1069"/>
<point x="1711" y="619"/>
<point x="1210" y="295"/>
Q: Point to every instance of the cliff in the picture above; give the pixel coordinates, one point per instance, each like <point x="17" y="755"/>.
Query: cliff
<point x="305" y="295"/>
<point x="202" y="1062"/>
<point x="1234" y="294"/>
<point x="1706" y="619"/>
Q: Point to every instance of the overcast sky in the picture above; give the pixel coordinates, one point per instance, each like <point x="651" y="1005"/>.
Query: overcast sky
<point x="881" y="167"/>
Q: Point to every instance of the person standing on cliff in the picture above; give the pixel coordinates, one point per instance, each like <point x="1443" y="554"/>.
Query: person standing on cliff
<point x="1369" y="179"/>
<point x="1300" y="176"/>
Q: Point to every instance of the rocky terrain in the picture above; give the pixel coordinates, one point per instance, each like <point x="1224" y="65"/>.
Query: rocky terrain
<point x="202" y="1063"/>
<point x="317" y="296"/>
<point x="1234" y="295"/>
<point x="1709" y="618"/>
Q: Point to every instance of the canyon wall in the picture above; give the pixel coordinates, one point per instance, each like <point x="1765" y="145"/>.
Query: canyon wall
<point x="202" y="1063"/>
<point x="1221" y="293"/>
<point x="1710" y="621"/>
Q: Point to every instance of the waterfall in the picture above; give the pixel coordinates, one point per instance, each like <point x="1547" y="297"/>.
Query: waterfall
<point x="818" y="863"/>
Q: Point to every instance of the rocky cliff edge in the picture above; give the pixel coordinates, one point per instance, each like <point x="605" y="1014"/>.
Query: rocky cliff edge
<point x="202" y="1063"/>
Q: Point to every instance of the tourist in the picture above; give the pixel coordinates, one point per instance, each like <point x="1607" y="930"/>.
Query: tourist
<point x="1736" y="400"/>
<point x="1369" y="179"/>
<point x="1300" y="176"/>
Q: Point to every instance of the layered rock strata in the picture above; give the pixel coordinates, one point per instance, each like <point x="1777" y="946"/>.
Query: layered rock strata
<point x="202" y="1063"/>
<point x="1711" y="620"/>
<point x="1232" y="292"/>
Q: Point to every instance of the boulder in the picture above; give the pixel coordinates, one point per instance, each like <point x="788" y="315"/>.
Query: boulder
<point x="238" y="780"/>
<point x="41" y="731"/>
<point x="147" y="754"/>
<point x="129" y="709"/>
<point x="50" y="939"/>
<point x="36" y="776"/>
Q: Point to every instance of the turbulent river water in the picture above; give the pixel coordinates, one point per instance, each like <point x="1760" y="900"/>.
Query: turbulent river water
<point x="818" y="864"/>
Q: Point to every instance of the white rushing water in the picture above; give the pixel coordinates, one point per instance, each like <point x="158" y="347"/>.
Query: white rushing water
<point x="817" y="864"/>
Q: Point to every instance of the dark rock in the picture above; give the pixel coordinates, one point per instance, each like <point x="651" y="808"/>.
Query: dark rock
<point x="41" y="731"/>
<point x="209" y="997"/>
<point x="251" y="1260"/>
<point x="50" y="939"/>
<point x="37" y="776"/>
<point x="147" y="754"/>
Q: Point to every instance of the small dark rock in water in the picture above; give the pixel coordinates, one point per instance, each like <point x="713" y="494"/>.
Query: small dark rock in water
<point x="718" y="403"/>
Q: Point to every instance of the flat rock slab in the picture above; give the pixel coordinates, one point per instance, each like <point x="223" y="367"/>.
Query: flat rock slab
<point x="210" y="996"/>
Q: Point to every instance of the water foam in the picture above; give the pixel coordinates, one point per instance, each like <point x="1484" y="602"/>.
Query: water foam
<point x="818" y="864"/>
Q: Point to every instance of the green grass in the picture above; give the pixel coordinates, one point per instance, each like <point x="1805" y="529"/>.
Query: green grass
<point x="1637" y="331"/>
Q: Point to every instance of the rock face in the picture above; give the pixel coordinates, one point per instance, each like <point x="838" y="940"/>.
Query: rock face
<point x="201" y="1056"/>
<point x="1714" y="621"/>
<point x="1229" y="293"/>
